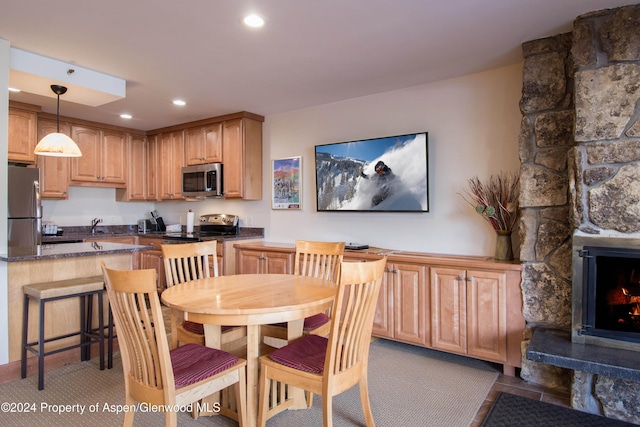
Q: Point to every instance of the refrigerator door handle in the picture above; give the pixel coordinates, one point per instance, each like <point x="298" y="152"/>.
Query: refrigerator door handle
<point x="36" y="185"/>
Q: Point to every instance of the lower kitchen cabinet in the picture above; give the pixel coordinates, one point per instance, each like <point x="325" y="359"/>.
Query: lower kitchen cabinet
<point x="153" y="259"/>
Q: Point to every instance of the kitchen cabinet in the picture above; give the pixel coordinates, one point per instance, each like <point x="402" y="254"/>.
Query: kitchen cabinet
<point x="54" y="171"/>
<point x="242" y="158"/>
<point x="249" y="261"/>
<point x="469" y="312"/>
<point x="104" y="161"/>
<point x="170" y="163"/>
<point x="23" y="119"/>
<point x="152" y="168"/>
<point x="203" y="144"/>
<point x="137" y="173"/>
<point x="153" y="259"/>
<point x="402" y="309"/>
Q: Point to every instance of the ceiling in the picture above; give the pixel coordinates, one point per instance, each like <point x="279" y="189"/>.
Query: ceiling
<point x="309" y="52"/>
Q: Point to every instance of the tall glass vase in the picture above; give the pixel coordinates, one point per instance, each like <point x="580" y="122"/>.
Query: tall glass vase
<point x="504" y="248"/>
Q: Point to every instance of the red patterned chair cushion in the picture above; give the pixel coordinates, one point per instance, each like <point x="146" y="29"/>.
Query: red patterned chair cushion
<point x="198" y="328"/>
<point x="306" y="354"/>
<point x="193" y="363"/>
<point x="310" y="323"/>
<point x="315" y="321"/>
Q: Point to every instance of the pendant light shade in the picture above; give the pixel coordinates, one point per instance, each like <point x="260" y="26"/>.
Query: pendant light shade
<point x="57" y="144"/>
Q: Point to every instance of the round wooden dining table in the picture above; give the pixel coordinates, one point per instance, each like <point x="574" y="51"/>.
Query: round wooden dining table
<point x="251" y="300"/>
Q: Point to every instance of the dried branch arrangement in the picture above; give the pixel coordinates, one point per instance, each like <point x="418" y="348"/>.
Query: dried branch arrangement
<point x="496" y="200"/>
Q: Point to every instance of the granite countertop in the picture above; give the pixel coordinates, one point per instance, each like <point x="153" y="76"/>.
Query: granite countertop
<point x="68" y="250"/>
<point x="77" y="234"/>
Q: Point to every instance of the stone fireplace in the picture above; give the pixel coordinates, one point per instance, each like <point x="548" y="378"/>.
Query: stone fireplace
<point x="580" y="176"/>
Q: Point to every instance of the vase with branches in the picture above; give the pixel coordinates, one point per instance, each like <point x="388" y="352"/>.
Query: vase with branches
<point x="497" y="201"/>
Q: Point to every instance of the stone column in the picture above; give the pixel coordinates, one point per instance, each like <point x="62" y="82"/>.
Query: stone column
<point x="545" y="228"/>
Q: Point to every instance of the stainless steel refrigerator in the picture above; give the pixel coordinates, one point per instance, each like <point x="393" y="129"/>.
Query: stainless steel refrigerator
<point x="24" y="207"/>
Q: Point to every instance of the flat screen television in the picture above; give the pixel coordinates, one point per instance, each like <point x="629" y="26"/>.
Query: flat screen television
<point x="387" y="174"/>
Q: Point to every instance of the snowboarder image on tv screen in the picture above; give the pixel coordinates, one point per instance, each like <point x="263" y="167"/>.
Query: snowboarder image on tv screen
<point x="383" y="178"/>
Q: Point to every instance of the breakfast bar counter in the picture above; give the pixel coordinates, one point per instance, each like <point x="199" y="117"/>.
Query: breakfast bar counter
<point x="47" y="263"/>
<point x="68" y="250"/>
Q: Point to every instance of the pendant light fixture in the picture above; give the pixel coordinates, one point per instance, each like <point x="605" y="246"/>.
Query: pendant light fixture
<point x="58" y="144"/>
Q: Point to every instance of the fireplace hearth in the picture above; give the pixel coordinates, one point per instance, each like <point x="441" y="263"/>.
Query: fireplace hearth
<point x="606" y="291"/>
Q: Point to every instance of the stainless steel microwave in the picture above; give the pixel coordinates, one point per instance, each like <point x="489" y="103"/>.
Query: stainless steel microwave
<point x="201" y="181"/>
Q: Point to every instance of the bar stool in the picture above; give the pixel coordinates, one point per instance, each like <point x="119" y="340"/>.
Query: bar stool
<point x="51" y="291"/>
<point x="110" y="327"/>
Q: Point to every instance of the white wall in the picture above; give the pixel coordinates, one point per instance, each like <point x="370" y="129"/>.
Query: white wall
<point x="86" y="203"/>
<point x="473" y="124"/>
<point x="4" y="126"/>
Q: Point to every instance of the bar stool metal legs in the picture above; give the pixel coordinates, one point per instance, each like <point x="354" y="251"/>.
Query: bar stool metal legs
<point x="45" y="292"/>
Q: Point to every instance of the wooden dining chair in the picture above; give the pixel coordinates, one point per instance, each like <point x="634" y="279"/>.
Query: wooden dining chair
<point x="314" y="259"/>
<point x="191" y="261"/>
<point x="155" y="375"/>
<point x="328" y="366"/>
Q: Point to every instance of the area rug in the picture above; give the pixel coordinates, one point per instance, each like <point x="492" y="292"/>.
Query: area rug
<point x="409" y="386"/>
<point x="510" y="410"/>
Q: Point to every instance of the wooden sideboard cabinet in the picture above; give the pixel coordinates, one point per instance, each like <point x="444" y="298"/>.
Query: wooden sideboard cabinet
<point x="402" y="312"/>
<point x="466" y="305"/>
<point x="469" y="312"/>
<point x="256" y="261"/>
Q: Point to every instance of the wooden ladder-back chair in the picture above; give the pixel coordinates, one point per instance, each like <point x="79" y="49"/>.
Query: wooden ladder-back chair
<point x="187" y="262"/>
<point x="155" y="375"/>
<point x="328" y="366"/>
<point x="314" y="259"/>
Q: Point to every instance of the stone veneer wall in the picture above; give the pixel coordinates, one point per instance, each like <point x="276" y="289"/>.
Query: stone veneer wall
<point x="580" y="170"/>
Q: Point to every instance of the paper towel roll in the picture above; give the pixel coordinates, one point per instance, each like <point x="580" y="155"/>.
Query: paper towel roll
<point x="190" y="218"/>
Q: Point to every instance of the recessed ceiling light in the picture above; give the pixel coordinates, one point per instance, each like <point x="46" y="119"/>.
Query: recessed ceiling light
<point x="253" y="21"/>
<point x="13" y="89"/>
<point x="179" y="102"/>
<point x="126" y="116"/>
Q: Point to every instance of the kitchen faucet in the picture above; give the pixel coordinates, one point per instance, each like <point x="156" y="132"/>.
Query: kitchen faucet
<point x="94" y="224"/>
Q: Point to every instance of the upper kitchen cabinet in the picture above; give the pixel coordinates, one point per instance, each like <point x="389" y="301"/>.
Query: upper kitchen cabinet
<point x="54" y="171"/>
<point x="203" y="144"/>
<point x="137" y="174"/>
<point x="104" y="161"/>
<point x="152" y="167"/>
<point x="242" y="157"/>
<point x="23" y="119"/>
<point x="170" y="163"/>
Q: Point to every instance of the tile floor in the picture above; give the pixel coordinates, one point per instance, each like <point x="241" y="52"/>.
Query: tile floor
<point x="515" y="385"/>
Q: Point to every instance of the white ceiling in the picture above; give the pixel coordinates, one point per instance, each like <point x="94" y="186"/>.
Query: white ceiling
<point x="310" y="52"/>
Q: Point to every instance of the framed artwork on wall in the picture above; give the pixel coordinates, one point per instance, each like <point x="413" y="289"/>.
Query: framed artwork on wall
<point x="287" y="183"/>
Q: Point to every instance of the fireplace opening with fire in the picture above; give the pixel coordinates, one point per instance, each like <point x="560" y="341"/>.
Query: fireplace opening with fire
<point x="611" y="293"/>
